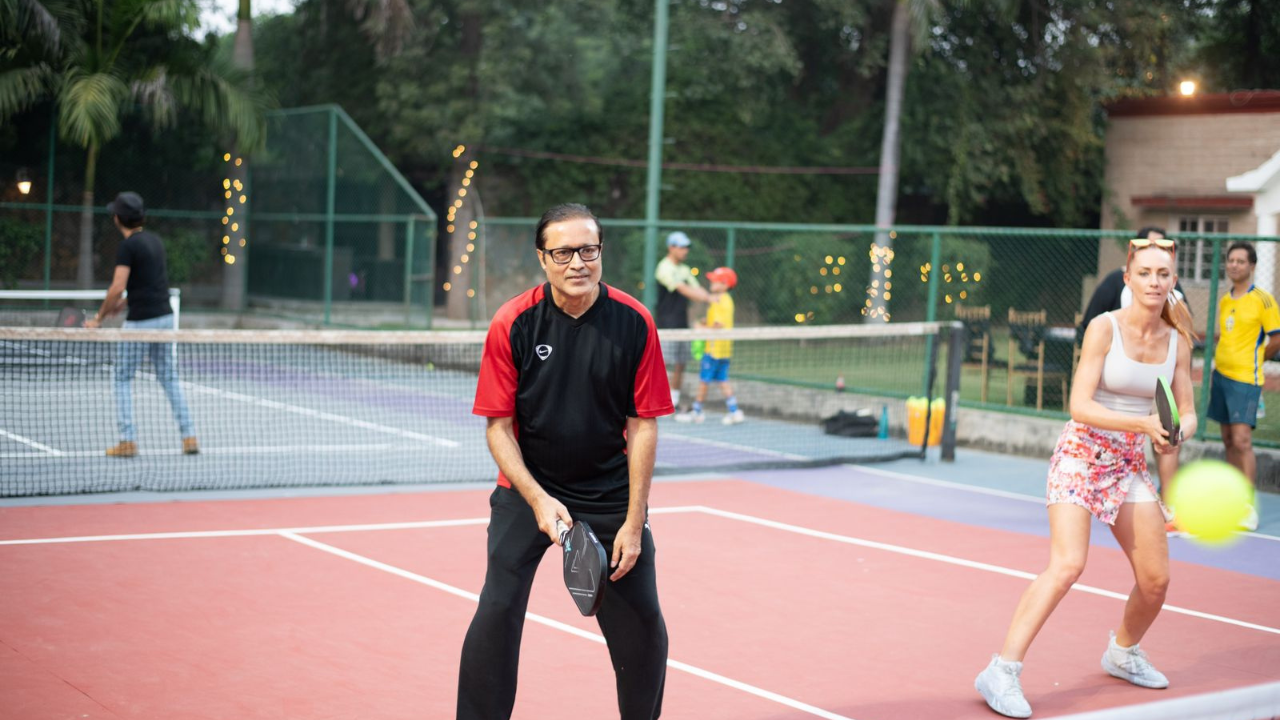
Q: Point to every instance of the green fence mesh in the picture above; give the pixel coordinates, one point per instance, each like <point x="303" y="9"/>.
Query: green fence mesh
<point x="331" y="229"/>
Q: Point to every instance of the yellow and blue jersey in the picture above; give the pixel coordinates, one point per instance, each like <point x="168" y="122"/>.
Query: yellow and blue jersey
<point x="1244" y="323"/>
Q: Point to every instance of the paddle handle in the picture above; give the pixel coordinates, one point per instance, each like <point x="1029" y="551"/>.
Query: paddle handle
<point x="561" y="529"/>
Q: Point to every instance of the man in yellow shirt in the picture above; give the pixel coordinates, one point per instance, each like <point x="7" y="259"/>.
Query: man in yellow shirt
<point x="1248" y="334"/>
<point x="715" y="359"/>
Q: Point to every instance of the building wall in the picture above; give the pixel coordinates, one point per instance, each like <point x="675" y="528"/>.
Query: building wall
<point x="1180" y="156"/>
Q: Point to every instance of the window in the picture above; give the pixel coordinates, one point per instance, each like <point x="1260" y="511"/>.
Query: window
<point x="1195" y="257"/>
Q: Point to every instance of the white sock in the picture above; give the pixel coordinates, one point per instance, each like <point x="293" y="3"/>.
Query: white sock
<point x="675" y="398"/>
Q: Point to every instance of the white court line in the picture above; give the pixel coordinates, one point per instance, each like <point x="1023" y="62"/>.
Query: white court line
<point x="946" y="484"/>
<point x="244" y="450"/>
<point x="294" y="534"/>
<point x="987" y="491"/>
<point x="285" y="407"/>
<point x="973" y="564"/>
<point x="821" y="534"/>
<point x="299" y="530"/>
<point x="46" y="450"/>
<point x="735" y="446"/>
<point x="570" y="629"/>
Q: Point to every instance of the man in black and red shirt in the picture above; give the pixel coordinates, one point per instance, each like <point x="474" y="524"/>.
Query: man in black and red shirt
<point x="572" y="382"/>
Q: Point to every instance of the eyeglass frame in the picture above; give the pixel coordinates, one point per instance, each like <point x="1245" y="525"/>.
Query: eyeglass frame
<point x="598" y="247"/>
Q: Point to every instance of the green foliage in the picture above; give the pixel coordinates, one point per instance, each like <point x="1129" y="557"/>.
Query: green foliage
<point x="186" y="251"/>
<point x="20" y="244"/>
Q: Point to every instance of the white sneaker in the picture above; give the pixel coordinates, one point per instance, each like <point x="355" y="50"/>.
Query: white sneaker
<point x="690" y="417"/>
<point x="1131" y="664"/>
<point x="734" y="418"/>
<point x="1250" y="521"/>
<point x="1000" y="686"/>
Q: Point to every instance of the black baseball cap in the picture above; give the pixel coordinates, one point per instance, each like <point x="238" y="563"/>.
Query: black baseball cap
<point x="128" y="205"/>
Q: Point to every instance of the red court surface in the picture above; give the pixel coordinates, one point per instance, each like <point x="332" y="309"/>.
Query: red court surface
<point x="779" y="605"/>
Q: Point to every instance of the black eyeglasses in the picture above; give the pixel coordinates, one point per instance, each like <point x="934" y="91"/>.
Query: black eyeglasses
<point x="562" y="256"/>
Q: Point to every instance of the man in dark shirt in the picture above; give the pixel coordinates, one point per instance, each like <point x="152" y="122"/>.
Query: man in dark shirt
<point x="572" y="383"/>
<point x="676" y="287"/>
<point x="140" y="270"/>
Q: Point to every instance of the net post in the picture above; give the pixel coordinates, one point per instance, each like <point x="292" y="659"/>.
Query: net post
<point x="955" y="355"/>
<point x="1211" y="324"/>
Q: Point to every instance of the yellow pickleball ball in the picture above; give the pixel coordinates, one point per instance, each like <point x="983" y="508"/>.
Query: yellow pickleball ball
<point x="1209" y="499"/>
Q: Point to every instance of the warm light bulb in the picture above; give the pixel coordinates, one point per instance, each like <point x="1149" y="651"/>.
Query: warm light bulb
<point x="24" y="186"/>
<point x="1187" y="88"/>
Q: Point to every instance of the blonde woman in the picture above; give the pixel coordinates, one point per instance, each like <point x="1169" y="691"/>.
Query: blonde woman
<point x="1099" y="469"/>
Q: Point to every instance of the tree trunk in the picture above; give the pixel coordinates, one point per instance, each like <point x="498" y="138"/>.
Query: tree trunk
<point x="887" y="192"/>
<point x="459" y="274"/>
<point x="84" y="269"/>
<point x="462" y="262"/>
<point x="236" y="263"/>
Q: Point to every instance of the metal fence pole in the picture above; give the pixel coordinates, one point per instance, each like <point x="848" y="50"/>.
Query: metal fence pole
<point x="330" y="192"/>
<point x="430" y="299"/>
<point x="657" y="94"/>
<point x="48" y="202"/>
<point x="408" y="269"/>
<point x="1211" y="325"/>
<point x="730" y="247"/>
<point x="931" y="309"/>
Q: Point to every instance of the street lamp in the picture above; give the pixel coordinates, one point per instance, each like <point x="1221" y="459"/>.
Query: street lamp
<point x="1187" y="88"/>
<point x="24" y="182"/>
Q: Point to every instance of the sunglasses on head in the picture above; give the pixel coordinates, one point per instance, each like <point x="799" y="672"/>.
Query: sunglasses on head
<point x="1162" y="243"/>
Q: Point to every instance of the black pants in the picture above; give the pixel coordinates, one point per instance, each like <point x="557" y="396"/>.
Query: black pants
<point x="629" y="617"/>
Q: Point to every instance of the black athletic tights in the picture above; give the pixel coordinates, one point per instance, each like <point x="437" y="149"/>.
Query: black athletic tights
<point x="629" y="617"/>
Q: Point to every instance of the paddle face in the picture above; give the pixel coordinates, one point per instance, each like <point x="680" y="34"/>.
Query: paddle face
<point x="1167" y="409"/>
<point x="71" y="317"/>
<point x="585" y="565"/>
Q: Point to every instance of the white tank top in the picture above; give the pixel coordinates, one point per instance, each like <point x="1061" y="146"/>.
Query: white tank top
<point x="1128" y="386"/>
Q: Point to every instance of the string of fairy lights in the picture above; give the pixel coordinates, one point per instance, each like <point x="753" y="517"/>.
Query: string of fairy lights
<point x="452" y="216"/>
<point x="881" y="258"/>
<point x="949" y="276"/>
<point x="234" y="193"/>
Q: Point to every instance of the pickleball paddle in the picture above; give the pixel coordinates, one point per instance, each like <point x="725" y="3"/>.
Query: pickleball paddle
<point x="71" y="317"/>
<point x="1167" y="409"/>
<point x="585" y="565"/>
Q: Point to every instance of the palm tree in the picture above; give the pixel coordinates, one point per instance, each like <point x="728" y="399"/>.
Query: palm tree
<point x="95" y="74"/>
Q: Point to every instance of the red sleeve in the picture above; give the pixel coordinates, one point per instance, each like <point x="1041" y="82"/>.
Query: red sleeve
<point x="496" y="389"/>
<point x="652" y="390"/>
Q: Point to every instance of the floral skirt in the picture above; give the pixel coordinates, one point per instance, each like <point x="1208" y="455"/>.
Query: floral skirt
<point x="1095" y="468"/>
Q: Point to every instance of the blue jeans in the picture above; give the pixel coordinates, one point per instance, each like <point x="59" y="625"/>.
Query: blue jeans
<point x="164" y="359"/>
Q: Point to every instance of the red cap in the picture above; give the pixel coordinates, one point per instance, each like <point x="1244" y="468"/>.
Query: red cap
<point x="724" y="275"/>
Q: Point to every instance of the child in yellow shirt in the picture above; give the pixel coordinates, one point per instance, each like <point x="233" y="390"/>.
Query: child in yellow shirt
<point x="715" y="359"/>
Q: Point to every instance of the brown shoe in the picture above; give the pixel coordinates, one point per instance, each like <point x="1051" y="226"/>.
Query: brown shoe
<point x="190" y="446"/>
<point x="126" y="448"/>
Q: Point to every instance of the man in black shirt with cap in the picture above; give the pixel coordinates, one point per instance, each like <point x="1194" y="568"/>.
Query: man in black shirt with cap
<point x="140" y="270"/>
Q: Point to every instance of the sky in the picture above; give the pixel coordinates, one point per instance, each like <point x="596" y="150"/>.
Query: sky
<point x="220" y="15"/>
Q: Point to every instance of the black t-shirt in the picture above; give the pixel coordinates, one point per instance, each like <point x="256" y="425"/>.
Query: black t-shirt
<point x="148" y="285"/>
<point x="571" y="383"/>
<point x="672" y="310"/>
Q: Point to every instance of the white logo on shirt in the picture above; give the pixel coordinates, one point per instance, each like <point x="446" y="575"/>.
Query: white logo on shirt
<point x="544" y="351"/>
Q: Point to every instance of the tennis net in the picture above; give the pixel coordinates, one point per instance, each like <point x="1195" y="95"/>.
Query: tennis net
<point x="314" y="408"/>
